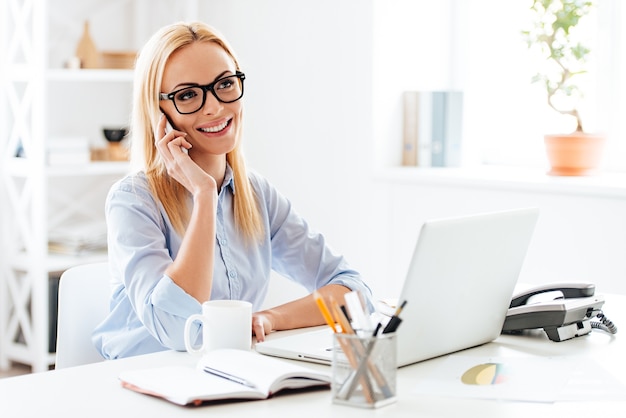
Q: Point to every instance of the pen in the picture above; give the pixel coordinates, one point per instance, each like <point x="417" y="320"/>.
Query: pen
<point x="230" y="377"/>
<point x="378" y="326"/>
<point x="395" y="320"/>
<point x="345" y="312"/>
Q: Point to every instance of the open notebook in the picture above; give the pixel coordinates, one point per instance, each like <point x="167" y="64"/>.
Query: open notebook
<point x="458" y="289"/>
<point x="223" y="374"/>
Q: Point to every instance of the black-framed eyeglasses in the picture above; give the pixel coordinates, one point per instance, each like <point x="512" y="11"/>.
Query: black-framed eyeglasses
<point x="191" y="99"/>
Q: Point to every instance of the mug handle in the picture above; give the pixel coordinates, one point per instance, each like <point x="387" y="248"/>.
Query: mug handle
<point x="188" y="344"/>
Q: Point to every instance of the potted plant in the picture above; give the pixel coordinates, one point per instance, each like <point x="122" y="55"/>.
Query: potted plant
<point x="553" y="33"/>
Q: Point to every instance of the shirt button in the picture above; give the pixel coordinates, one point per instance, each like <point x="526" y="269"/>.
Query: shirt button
<point x="232" y="274"/>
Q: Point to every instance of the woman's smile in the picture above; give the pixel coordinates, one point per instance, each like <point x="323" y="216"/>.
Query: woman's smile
<point x="216" y="128"/>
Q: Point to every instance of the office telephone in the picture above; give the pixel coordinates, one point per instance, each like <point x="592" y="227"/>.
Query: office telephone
<point x="564" y="311"/>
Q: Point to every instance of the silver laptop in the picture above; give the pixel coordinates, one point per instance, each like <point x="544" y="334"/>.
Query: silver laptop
<point x="458" y="289"/>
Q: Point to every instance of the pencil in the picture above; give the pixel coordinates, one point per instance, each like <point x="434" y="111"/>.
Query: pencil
<point x="346" y="328"/>
<point x="324" y="310"/>
<point x="400" y="308"/>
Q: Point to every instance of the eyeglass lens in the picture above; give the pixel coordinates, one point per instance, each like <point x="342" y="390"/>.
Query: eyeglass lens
<point x="190" y="100"/>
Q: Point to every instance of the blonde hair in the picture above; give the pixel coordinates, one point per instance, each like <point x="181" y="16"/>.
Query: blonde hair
<point x="173" y="196"/>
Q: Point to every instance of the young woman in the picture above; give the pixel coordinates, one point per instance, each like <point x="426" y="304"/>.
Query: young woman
<point x="192" y="224"/>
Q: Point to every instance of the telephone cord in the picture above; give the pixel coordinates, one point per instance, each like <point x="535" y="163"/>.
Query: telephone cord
<point x="605" y="324"/>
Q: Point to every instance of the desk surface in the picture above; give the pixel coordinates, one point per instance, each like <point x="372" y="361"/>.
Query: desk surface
<point x="94" y="390"/>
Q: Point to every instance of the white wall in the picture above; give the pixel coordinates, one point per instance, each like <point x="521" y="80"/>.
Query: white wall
<point x="321" y="149"/>
<point x="322" y="112"/>
<point x="411" y="48"/>
<point x="577" y="237"/>
<point x="308" y="106"/>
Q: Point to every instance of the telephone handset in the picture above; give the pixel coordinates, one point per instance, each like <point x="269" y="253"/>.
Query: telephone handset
<point x="563" y="310"/>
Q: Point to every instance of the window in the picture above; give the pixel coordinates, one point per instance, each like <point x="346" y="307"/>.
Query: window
<point x="476" y="46"/>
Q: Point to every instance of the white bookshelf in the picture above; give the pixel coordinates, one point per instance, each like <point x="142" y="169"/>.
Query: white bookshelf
<point x="94" y="75"/>
<point x="37" y="196"/>
<point x="40" y="101"/>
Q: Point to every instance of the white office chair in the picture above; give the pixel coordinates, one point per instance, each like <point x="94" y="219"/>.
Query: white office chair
<point x="84" y="294"/>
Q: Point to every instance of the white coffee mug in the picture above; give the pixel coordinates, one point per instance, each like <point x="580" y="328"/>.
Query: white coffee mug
<point x="225" y="324"/>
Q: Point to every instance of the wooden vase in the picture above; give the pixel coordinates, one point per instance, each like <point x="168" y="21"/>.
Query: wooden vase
<point x="86" y="50"/>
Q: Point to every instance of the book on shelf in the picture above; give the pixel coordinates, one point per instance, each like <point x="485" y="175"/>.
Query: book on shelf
<point x="79" y="238"/>
<point x="67" y="150"/>
<point x="432" y="128"/>
<point x="410" y="100"/>
<point x="75" y="249"/>
<point x="224" y="374"/>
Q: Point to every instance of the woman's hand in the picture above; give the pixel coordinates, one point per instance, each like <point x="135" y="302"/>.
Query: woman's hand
<point x="192" y="269"/>
<point x="173" y="147"/>
<point x="261" y="325"/>
<point x="298" y="313"/>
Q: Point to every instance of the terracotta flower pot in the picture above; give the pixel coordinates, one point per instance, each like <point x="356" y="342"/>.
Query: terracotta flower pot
<point x="575" y="154"/>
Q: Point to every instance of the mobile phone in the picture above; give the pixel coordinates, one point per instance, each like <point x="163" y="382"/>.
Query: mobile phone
<point x="168" y="124"/>
<point x="168" y="129"/>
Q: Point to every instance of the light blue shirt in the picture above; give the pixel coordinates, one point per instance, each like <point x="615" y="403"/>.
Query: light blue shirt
<point x="148" y="310"/>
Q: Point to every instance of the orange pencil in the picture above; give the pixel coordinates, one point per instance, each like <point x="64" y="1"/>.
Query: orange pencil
<point x="324" y="310"/>
<point x="346" y="328"/>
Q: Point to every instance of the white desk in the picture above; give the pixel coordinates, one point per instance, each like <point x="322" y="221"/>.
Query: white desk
<point x="94" y="391"/>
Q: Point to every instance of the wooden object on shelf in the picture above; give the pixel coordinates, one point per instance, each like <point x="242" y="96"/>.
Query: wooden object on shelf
<point x="118" y="59"/>
<point x="114" y="151"/>
<point x="86" y="49"/>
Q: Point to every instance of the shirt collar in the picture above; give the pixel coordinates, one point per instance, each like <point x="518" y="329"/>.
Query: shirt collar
<point x="228" y="179"/>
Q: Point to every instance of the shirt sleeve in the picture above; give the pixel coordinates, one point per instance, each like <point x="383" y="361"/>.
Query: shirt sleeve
<point x="139" y="253"/>
<point x="302" y="254"/>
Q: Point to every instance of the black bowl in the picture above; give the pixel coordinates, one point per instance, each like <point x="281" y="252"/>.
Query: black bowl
<point x="115" y="134"/>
